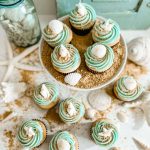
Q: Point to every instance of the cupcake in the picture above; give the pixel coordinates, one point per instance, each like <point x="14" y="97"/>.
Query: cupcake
<point x="82" y="18"/>
<point x="64" y="140"/>
<point x="99" y="57"/>
<point x="71" y="111"/>
<point x="56" y="33"/>
<point x="127" y="89"/>
<point x="32" y="133"/>
<point x="104" y="133"/>
<point x="65" y="58"/>
<point x="106" y="32"/>
<point x="46" y="95"/>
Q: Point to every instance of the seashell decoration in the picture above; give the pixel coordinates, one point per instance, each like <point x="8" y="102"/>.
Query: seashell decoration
<point x="11" y="91"/>
<point x="99" y="100"/>
<point x="122" y="115"/>
<point x="138" y="51"/>
<point x="140" y="145"/>
<point x="72" y="78"/>
<point x="81" y="9"/>
<point x="63" y="144"/>
<point x="90" y="113"/>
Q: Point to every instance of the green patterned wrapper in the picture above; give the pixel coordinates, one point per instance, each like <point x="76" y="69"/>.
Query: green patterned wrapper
<point x="123" y="93"/>
<point x="109" y="38"/>
<point x="62" y="38"/>
<point x="79" y="107"/>
<point x="98" y="135"/>
<point x="99" y="64"/>
<point x="66" y="65"/>
<point x="37" y="139"/>
<point x="65" y="135"/>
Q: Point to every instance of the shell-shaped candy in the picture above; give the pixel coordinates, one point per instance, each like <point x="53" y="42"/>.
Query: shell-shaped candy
<point x="72" y="78"/>
<point x="90" y="113"/>
<point x="139" y="52"/>
<point x="63" y="144"/>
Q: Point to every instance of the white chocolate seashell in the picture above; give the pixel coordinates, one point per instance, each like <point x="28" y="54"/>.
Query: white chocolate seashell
<point x="55" y="26"/>
<point x="12" y="91"/>
<point x="107" y="26"/>
<point x="63" y="51"/>
<point x="130" y="83"/>
<point x="138" y="51"/>
<point x="81" y="9"/>
<point x="90" y="113"/>
<point x="29" y="131"/>
<point x="71" y="109"/>
<point x="15" y="15"/>
<point x="122" y="116"/>
<point x="44" y="92"/>
<point x="72" y="78"/>
<point x="28" y="22"/>
<point x="63" y="144"/>
<point x="99" y="51"/>
<point x="99" y="100"/>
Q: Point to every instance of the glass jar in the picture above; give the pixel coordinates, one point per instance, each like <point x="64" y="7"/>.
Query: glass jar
<point x="20" y="21"/>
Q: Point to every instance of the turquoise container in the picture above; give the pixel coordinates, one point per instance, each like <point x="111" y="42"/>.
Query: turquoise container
<point x="20" y="21"/>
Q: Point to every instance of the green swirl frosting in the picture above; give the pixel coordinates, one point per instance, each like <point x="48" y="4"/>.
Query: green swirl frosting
<point x="55" y="40"/>
<point x="67" y="64"/>
<point x="79" y="107"/>
<point x="40" y="100"/>
<point x="83" y="22"/>
<point x="104" y="133"/>
<point x="123" y="93"/>
<point x="97" y="64"/>
<point x="65" y="135"/>
<point x="109" y="37"/>
<point x="36" y="139"/>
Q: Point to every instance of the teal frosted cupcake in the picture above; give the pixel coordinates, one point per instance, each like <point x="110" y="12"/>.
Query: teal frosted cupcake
<point x="32" y="134"/>
<point x="127" y="89"/>
<point x="99" y="57"/>
<point x="64" y="140"/>
<point x="82" y="18"/>
<point x="56" y="33"/>
<point x="46" y="95"/>
<point x="65" y="58"/>
<point x="106" y="32"/>
<point x="104" y="133"/>
<point x="71" y="111"/>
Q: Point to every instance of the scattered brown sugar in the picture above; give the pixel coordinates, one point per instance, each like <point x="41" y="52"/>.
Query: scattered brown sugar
<point x="5" y="115"/>
<point x="10" y="136"/>
<point x="88" y="79"/>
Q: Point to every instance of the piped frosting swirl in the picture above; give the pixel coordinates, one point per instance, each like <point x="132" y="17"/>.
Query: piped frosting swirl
<point x="63" y="136"/>
<point x="99" y="57"/>
<point x="49" y="97"/>
<point x="65" y="60"/>
<point x="31" y="139"/>
<point x="127" y="88"/>
<point x="71" y="110"/>
<point x="82" y="17"/>
<point x="57" y="33"/>
<point x="106" y="32"/>
<point x="104" y="133"/>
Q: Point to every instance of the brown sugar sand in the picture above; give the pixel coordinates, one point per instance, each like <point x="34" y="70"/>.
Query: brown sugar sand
<point x="88" y="79"/>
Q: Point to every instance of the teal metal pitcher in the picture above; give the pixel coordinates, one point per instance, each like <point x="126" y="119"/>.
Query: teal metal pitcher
<point x="20" y="21"/>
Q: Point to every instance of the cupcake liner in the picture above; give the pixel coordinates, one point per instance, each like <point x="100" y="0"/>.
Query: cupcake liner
<point x="92" y="71"/>
<point x="81" y="32"/>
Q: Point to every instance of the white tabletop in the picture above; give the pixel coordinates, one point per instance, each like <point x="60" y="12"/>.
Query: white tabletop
<point x="126" y="131"/>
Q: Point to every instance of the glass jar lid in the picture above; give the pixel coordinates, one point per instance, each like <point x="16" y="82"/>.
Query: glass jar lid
<point x="9" y="3"/>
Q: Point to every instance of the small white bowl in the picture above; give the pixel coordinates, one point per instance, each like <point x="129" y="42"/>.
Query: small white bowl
<point x="93" y="88"/>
